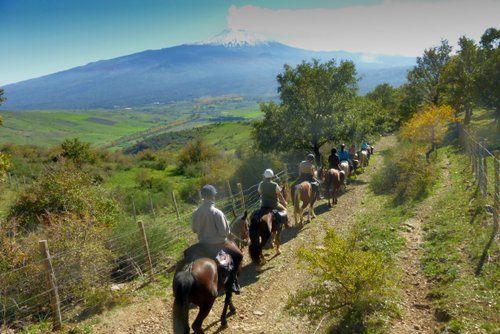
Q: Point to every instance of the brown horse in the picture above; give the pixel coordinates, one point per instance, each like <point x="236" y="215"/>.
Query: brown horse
<point x="303" y="194"/>
<point x="333" y="180"/>
<point x="263" y="226"/>
<point x="199" y="282"/>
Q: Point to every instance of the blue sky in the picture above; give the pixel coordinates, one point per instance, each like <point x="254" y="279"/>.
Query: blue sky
<point x="39" y="37"/>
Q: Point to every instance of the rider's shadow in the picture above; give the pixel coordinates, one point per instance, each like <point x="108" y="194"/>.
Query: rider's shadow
<point x="249" y="274"/>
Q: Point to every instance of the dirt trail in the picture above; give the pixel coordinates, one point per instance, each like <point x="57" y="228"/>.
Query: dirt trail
<point x="261" y="306"/>
<point x="417" y="315"/>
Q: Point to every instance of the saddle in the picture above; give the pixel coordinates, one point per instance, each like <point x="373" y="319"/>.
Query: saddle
<point x="224" y="260"/>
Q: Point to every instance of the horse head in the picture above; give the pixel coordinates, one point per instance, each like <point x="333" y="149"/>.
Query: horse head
<point x="240" y="227"/>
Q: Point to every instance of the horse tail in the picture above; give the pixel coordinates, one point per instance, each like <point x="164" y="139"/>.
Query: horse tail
<point x="254" y="248"/>
<point x="183" y="283"/>
<point x="296" y="198"/>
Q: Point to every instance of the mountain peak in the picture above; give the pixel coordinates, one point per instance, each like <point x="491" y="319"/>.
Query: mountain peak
<point x="236" y="38"/>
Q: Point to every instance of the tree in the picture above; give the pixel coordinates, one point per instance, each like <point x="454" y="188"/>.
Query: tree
<point x="385" y="94"/>
<point x="458" y="79"/>
<point x="77" y="151"/>
<point x="423" y="80"/>
<point x="387" y="97"/>
<point x="488" y="81"/>
<point x="314" y="100"/>
<point x="428" y="126"/>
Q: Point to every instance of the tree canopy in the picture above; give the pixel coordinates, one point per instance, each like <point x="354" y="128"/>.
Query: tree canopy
<point x="314" y="100"/>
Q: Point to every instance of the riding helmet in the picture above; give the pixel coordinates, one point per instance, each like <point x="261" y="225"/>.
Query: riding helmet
<point x="268" y="173"/>
<point x="208" y="191"/>
<point x="310" y="157"/>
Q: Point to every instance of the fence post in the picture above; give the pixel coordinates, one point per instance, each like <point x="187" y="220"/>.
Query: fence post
<point x="9" y="177"/>
<point x="134" y="209"/>
<point x="484" y="165"/>
<point x="287" y="189"/>
<point x="152" y="206"/>
<point x="232" y="198"/>
<point x="176" y="208"/>
<point x="145" y="244"/>
<point x="242" y="197"/>
<point x="200" y="197"/>
<point x="52" y="284"/>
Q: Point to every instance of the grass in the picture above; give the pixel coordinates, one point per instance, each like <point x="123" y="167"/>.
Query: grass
<point x="104" y="126"/>
<point x="454" y="242"/>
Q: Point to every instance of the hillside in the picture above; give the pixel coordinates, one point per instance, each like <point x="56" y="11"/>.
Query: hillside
<point x="226" y="64"/>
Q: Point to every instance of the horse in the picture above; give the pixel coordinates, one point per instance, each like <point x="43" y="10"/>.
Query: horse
<point x="199" y="282"/>
<point x="364" y="158"/>
<point x="239" y="232"/>
<point x="263" y="226"/>
<point x="333" y="180"/>
<point x="303" y="192"/>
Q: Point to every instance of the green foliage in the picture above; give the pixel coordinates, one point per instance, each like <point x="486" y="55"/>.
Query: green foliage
<point x="459" y="230"/>
<point x="60" y="190"/>
<point x="349" y="284"/>
<point x="75" y="216"/>
<point x="314" y="99"/>
<point x="194" y="153"/>
<point x="423" y="86"/>
<point x="384" y="94"/>
<point x="459" y="77"/>
<point x="77" y="151"/>
<point x="405" y="174"/>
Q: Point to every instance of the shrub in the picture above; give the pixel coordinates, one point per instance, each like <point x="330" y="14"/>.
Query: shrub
<point x="405" y="174"/>
<point x="347" y="280"/>
<point x="75" y="216"/>
<point x="195" y="152"/>
<point x="77" y="151"/>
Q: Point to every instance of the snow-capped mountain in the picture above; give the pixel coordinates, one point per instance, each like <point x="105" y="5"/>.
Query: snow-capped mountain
<point x="236" y="38"/>
<point x="232" y="62"/>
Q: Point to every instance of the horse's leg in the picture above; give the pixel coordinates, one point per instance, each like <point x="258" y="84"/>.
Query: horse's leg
<point x="202" y="314"/>
<point x="277" y="242"/>
<point x="227" y="303"/>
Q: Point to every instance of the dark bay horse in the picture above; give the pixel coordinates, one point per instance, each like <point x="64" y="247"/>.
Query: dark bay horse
<point x="303" y="196"/>
<point x="199" y="282"/>
<point x="263" y="226"/>
<point x="333" y="180"/>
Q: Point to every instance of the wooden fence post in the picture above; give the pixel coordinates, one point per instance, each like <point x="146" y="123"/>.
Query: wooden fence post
<point x="145" y="244"/>
<point x="52" y="284"/>
<point x="176" y="208"/>
<point x="242" y="197"/>
<point x="232" y="198"/>
<point x="9" y="177"/>
<point x="200" y="197"/>
<point x="134" y="209"/>
<point x="152" y="206"/>
<point x="287" y="188"/>
<point x="484" y="165"/>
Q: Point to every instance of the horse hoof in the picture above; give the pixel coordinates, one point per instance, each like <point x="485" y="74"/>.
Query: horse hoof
<point x="223" y="323"/>
<point x="278" y="253"/>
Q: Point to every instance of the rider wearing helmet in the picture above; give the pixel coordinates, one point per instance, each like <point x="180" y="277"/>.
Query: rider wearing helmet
<point x="343" y="154"/>
<point x="333" y="159"/>
<point x="364" y="146"/>
<point x="307" y="172"/>
<point x="211" y="226"/>
<point x="270" y="192"/>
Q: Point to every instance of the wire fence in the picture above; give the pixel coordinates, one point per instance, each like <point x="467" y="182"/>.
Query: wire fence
<point x="484" y="164"/>
<point x="60" y="286"/>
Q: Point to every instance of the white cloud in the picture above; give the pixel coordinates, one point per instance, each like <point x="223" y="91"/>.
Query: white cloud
<point x="393" y="27"/>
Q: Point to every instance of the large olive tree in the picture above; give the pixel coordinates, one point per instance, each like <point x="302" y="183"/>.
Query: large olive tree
<point x="314" y="99"/>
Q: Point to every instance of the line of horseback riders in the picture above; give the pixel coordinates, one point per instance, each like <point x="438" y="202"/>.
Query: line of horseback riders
<point x="213" y="264"/>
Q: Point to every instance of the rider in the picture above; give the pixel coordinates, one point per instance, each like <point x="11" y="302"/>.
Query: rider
<point x="352" y="151"/>
<point x="211" y="226"/>
<point x="333" y="159"/>
<point x="365" y="146"/>
<point x="270" y="193"/>
<point x="344" y="156"/>
<point x="307" y="171"/>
